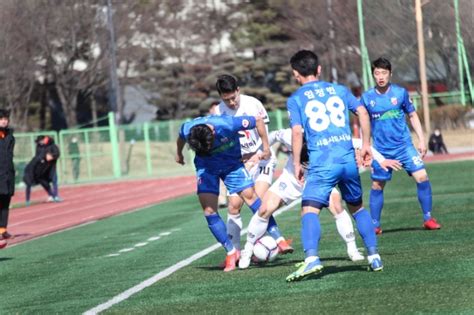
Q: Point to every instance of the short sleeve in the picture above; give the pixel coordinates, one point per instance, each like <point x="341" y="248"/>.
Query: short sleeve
<point x="293" y="112"/>
<point x="407" y="105"/>
<point x="243" y="123"/>
<point x="182" y="134"/>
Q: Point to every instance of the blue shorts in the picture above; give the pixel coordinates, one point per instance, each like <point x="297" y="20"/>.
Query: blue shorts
<point x="408" y="156"/>
<point x="320" y="182"/>
<point x="235" y="179"/>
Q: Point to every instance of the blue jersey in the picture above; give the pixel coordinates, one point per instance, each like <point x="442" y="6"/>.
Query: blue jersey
<point x="225" y="153"/>
<point x="387" y="115"/>
<point x="321" y="108"/>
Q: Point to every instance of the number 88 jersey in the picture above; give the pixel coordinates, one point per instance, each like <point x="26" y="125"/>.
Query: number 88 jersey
<point x="321" y="108"/>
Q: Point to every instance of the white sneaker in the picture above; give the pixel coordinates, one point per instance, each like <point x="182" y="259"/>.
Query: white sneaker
<point x="245" y="258"/>
<point x="355" y="255"/>
<point x="50" y="199"/>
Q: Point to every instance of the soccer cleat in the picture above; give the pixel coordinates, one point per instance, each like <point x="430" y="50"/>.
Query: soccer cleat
<point x="245" y="258"/>
<point x="305" y="270"/>
<point x="375" y="262"/>
<point x="223" y="264"/>
<point x="6" y="235"/>
<point x="230" y="262"/>
<point x="50" y="199"/>
<point x="431" y="224"/>
<point x="284" y="247"/>
<point x="355" y="255"/>
<point x="3" y="241"/>
<point x="378" y="230"/>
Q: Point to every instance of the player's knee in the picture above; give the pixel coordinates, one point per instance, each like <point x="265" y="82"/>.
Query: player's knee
<point x="378" y="185"/>
<point x="420" y="176"/>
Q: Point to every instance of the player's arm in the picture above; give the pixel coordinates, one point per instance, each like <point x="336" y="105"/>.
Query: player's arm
<point x="297" y="146"/>
<point x="384" y="163"/>
<point x="180" y="143"/>
<point x="364" y="121"/>
<point x="262" y="132"/>
<point x="416" y="125"/>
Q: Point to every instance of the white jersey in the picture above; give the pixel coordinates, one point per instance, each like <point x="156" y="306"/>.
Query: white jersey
<point x="286" y="186"/>
<point x="250" y="141"/>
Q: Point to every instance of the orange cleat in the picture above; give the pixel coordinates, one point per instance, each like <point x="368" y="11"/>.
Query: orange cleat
<point x="231" y="261"/>
<point x="431" y="224"/>
<point x="378" y="231"/>
<point x="284" y="247"/>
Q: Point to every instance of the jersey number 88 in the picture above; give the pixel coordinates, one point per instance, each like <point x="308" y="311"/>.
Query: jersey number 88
<point x="319" y="119"/>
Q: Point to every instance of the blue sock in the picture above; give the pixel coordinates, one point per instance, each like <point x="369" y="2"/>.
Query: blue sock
<point x="310" y="234"/>
<point x="272" y="228"/>
<point x="425" y="198"/>
<point x="376" y="205"/>
<point x="218" y="229"/>
<point x="366" y="230"/>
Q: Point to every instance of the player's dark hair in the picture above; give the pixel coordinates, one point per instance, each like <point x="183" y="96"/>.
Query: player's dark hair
<point x="305" y="62"/>
<point x="226" y="84"/>
<point x="200" y="139"/>
<point x="381" y="63"/>
<point x="4" y="113"/>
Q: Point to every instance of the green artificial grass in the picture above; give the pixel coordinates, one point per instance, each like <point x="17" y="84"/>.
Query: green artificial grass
<point x="426" y="272"/>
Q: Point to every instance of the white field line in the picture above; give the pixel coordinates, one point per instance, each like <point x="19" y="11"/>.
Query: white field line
<point x="168" y="271"/>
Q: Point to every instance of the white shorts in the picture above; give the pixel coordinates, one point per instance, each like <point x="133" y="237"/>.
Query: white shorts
<point x="262" y="172"/>
<point x="287" y="187"/>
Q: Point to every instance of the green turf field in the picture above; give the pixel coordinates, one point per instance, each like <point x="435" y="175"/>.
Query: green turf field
<point x="429" y="272"/>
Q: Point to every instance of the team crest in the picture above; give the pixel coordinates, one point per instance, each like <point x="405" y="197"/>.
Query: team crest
<point x="245" y="123"/>
<point x="372" y="103"/>
<point x="394" y="101"/>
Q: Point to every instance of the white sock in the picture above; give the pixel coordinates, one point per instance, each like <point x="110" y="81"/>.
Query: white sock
<point x="310" y="259"/>
<point x="234" y="226"/>
<point x="346" y="230"/>
<point x="256" y="229"/>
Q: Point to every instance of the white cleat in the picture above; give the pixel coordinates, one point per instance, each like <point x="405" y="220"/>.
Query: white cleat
<point x="355" y="256"/>
<point x="245" y="258"/>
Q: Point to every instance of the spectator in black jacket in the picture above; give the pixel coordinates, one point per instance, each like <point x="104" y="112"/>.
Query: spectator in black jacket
<point x="7" y="174"/>
<point x="42" y="144"/>
<point x="39" y="171"/>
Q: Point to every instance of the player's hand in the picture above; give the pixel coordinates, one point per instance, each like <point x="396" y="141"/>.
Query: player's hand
<point x="250" y="163"/>
<point x="393" y="164"/>
<point x="422" y="148"/>
<point x="366" y="155"/>
<point x="299" y="173"/>
<point x="247" y="157"/>
<point x="179" y="158"/>
<point x="265" y="155"/>
<point x="358" y="158"/>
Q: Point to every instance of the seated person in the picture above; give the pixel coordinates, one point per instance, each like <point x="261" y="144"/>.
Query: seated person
<point x="436" y="143"/>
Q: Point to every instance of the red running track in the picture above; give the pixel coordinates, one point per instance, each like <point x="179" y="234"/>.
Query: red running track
<point x="87" y="203"/>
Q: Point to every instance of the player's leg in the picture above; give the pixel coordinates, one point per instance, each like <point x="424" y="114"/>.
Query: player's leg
<point x="351" y="191"/>
<point x="376" y="199"/>
<point x="344" y="225"/>
<point x="263" y="178"/>
<point x="234" y="220"/>
<point x="316" y="194"/>
<point x="208" y="191"/>
<point x="425" y="198"/>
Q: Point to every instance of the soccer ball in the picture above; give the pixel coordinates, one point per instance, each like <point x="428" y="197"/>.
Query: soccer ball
<point x="265" y="249"/>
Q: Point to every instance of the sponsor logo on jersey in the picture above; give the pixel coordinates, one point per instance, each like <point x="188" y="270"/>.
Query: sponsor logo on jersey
<point x="394" y="101"/>
<point x="391" y="114"/>
<point x="245" y="123"/>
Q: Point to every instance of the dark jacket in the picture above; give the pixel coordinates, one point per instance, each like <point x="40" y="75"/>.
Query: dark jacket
<point x="40" y="169"/>
<point x="7" y="169"/>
